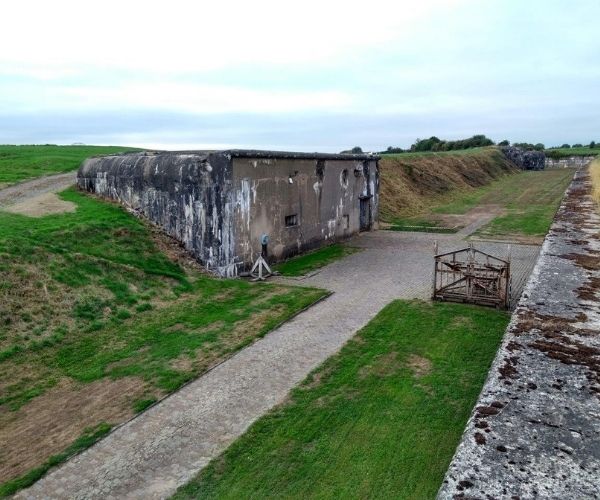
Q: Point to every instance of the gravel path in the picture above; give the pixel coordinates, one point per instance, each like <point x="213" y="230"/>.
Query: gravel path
<point x="163" y="448"/>
<point x="31" y="189"/>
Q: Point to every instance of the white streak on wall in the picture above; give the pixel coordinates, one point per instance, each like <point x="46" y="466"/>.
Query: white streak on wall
<point x="243" y="201"/>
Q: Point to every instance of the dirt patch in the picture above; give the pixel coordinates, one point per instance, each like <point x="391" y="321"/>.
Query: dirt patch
<point x="383" y="365"/>
<point x="184" y="363"/>
<point x="31" y="297"/>
<point x="530" y="320"/>
<point x="460" y="321"/>
<point x="229" y="341"/>
<point x="590" y="290"/>
<point x="419" y="365"/>
<point x="508" y="370"/>
<point x="41" y="205"/>
<point x="317" y="377"/>
<point x="587" y="261"/>
<point x="30" y="189"/>
<point x="177" y="327"/>
<point x="479" y="216"/>
<point x="51" y="422"/>
<point x="571" y="352"/>
<point x="388" y="364"/>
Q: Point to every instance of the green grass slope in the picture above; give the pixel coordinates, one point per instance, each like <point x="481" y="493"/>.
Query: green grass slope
<point x="411" y="183"/>
<point x="566" y="152"/>
<point x="301" y="265"/>
<point x="18" y="163"/>
<point x="379" y="420"/>
<point x="88" y="299"/>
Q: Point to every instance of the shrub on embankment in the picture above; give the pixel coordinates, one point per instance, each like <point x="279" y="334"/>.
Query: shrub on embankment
<point x="411" y="182"/>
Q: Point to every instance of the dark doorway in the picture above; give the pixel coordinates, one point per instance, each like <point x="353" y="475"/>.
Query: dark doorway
<point x="365" y="214"/>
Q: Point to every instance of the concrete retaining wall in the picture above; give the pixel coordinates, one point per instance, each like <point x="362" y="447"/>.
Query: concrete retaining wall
<point x="571" y="161"/>
<point x="534" y="430"/>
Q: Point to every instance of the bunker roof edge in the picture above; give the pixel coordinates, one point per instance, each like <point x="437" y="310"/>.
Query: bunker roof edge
<point x="257" y="153"/>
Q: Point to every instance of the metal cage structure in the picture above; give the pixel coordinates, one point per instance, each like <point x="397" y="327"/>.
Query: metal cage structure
<point x="472" y="276"/>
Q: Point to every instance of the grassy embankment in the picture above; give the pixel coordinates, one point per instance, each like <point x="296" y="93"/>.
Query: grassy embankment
<point x="18" y="163"/>
<point x="381" y="419"/>
<point x="411" y="183"/>
<point x="566" y="152"/>
<point x="97" y="323"/>
<point x="304" y="264"/>
<point x="439" y="192"/>
<point x="530" y="201"/>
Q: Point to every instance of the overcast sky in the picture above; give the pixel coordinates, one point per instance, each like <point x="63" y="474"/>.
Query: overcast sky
<point x="310" y="75"/>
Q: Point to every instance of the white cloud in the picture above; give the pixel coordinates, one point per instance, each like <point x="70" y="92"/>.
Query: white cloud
<point x="324" y="68"/>
<point x="195" y="36"/>
<point x="167" y="96"/>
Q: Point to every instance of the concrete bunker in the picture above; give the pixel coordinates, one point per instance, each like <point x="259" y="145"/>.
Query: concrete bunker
<point x="219" y="204"/>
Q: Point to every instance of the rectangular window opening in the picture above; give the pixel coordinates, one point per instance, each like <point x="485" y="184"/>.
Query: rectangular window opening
<point x="291" y="220"/>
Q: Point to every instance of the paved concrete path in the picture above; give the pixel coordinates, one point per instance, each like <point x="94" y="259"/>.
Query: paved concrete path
<point x="35" y="187"/>
<point x="163" y="448"/>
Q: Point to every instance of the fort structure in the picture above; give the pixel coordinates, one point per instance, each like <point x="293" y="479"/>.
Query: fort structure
<point x="221" y="204"/>
<point x="575" y="161"/>
<point x="525" y="160"/>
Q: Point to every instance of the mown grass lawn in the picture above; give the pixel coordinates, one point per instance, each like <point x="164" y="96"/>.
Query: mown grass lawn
<point x="530" y="200"/>
<point x="96" y="323"/>
<point x="458" y="152"/>
<point x="379" y="420"/>
<point x="18" y="163"/>
<point x="306" y="263"/>
<point x="566" y="152"/>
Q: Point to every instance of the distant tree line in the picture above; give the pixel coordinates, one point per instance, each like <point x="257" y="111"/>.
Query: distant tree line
<point x="356" y="150"/>
<point x="529" y="147"/>
<point x="591" y="145"/>
<point x="436" y="144"/>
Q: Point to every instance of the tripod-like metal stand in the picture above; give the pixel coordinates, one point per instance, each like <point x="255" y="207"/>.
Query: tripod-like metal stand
<point x="260" y="270"/>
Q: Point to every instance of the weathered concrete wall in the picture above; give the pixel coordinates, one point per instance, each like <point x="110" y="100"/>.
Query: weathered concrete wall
<point x="571" y="161"/>
<point x="525" y="160"/>
<point x="535" y="429"/>
<point x="324" y="195"/>
<point x="218" y="204"/>
<point x="188" y="195"/>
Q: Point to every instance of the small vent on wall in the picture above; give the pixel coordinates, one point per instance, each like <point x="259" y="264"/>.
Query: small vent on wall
<point x="346" y="221"/>
<point x="291" y="220"/>
<point x="345" y="177"/>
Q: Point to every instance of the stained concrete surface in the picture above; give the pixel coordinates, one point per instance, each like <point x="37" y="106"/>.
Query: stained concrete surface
<point x="163" y="448"/>
<point x="535" y="430"/>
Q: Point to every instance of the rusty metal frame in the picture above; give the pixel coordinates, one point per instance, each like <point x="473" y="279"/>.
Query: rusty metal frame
<point x="473" y="276"/>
